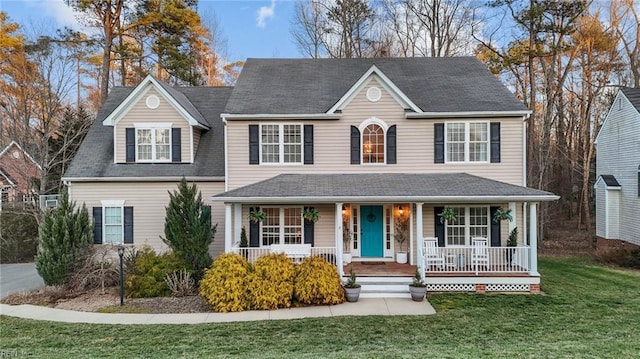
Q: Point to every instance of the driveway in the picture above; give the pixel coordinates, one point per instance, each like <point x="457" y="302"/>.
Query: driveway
<point x="18" y="277"/>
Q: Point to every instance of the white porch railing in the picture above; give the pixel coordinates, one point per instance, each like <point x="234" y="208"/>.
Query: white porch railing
<point x="253" y="253"/>
<point x="466" y="259"/>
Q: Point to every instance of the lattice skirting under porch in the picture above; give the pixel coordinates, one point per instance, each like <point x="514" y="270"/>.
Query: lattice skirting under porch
<point x="451" y="287"/>
<point x="508" y="287"/>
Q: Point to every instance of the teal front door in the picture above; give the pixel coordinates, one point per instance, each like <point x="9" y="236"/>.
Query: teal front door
<point x="371" y="223"/>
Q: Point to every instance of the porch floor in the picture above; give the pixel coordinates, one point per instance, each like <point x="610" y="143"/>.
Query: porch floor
<point x="393" y="269"/>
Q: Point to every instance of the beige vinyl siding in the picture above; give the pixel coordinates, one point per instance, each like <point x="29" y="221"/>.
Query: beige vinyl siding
<point x="618" y="154"/>
<point x="324" y="228"/>
<point x="601" y="203"/>
<point x="196" y="140"/>
<point x="149" y="200"/>
<point x="414" y="146"/>
<point x="140" y="113"/>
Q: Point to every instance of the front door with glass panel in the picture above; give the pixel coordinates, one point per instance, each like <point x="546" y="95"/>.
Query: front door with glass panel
<point x="372" y="231"/>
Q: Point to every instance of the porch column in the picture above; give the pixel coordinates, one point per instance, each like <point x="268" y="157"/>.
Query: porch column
<point x="514" y="215"/>
<point x="237" y="222"/>
<point x="533" y="239"/>
<point x="339" y="247"/>
<point x="419" y="236"/>
<point x="227" y="227"/>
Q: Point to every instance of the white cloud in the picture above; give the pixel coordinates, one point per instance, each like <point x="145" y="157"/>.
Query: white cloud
<point x="264" y="13"/>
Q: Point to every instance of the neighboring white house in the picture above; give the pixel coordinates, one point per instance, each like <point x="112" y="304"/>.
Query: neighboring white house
<point x="618" y="170"/>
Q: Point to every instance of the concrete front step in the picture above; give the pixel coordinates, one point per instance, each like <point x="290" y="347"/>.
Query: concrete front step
<point x="384" y="287"/>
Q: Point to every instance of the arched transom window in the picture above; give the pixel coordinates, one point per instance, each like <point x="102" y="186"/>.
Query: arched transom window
<point x="373" y="144"/>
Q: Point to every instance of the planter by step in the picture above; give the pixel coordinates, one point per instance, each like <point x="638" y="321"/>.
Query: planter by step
<point x="352" y="294"/>
<point x="401" y="257"/>
<point x="418" y="293"/>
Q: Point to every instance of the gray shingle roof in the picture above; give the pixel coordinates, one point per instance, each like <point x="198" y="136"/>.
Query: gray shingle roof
<point x="633" y="94"/>
<point x="95" y="156"/>
<point x="184" y="102"/>
<point x="458" y="187"/>
<point x="306" y="86"/>
<point x="610" y="180"/>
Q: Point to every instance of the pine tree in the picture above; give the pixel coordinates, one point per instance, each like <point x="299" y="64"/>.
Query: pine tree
<point x="65" y="237"/>
<point x="187" y="229"/>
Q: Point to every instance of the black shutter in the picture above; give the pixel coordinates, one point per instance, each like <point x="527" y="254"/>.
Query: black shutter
<point x="254" y="230"/>
<point x="176" y="145"/>
<point x="308" y="230"/>
<point x="438" y="148"/>
<point x="391" y="145"/>
<point x="439" y="226"/>
<point x="97" y="225"/>
<point x="128" y="225"/>
<point x="131" y="144"/>
<point x="254" y="145"/>
<point x="495" y="229"/>
<point x="355" y="145"/>
<point x="308" y="144"/>
<point x="495" y="142"/>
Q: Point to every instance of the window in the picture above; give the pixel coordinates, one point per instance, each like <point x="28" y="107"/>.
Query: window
<point x="281" y="143"/>
<point x="467" y="142"/>
<point x="472" y="222"/>
<point x="113" y="225"/>
<point x="282" y="226"/>
<point x="153" y="144"/>
<point x="373" y="144"/>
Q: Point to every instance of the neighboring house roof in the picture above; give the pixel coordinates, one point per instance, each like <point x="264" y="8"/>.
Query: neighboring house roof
<point x="431" y="187"/>
<point x="5" y="151"/>
<point x="313" y="86"/>
<point x="609" y="180"/>
<point x="94" y="159"/>
<point x="633" y="95"/>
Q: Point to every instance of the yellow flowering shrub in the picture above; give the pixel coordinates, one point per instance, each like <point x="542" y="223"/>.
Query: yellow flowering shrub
<point x="224" y="285"/>
<point x="317" y="282"/>
<point x="271" y="282"/>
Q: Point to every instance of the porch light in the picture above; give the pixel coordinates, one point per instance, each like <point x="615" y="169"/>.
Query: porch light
<point x="400" y="210"/>
<point x="344" y="209"/>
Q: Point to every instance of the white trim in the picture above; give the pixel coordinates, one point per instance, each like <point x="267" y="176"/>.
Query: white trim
<point x="226" y="154"/>
<point x="374" y="94"/>
<point x="191" y="143"/>
<point x="142" y="89"/>
<point x="361" y="128"/>
<point x="533" y="239"/>
<point x="467" y="142"/>
<point x="149" y="125"/>
<point x="419" y="237"/>
<point x="606" y="186"/>
<point x="471" y="114"/>
<point x="112" y="204"/>
<point x="281" y="224"/>
<point x="620" y="94"/>
<point x="281" y="116"/>
<point x="6" y="176"/>
<point x="227" y="228"/>
<point x="145" y="179"/>
<point x="388" y="199"/>
<point x="384" y="81"/>
<point x="339" y="239"/>
<point x="154" y="144"/>
<point x="373" y="121"/>
<point x="281" y="144"/>
<point x="467" y="227"/>
<point x="152" y="102"/>
<point x="23" y="151"/>
<point x="606" y="214"/>
<point x="115" y="146"/>
<point x="237" y="223"/>
<point x="524" y="153"/>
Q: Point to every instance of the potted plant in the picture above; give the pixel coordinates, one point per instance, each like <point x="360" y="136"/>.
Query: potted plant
<point x="346" y="243"/>
<point x="310" y="214"/>
<point x="256" y="216"/>
<point x="401" y="235"/>
<point x="502" y="215"/>
<point x="448" y="215"/>
<point x="244" y="243"/>
<point x="351" y="288"/>
<point x="511" y="243"/>
<point x="418" y="288"/>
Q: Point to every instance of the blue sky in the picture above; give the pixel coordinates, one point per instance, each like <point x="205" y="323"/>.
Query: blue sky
<point x="252" y="28"/>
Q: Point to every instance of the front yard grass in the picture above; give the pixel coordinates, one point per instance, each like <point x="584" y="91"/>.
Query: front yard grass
<point x="587" y="311"/>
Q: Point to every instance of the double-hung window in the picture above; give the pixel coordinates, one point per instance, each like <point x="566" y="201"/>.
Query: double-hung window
<point x="282" y="226"/>
<point x="113" y="222"/>
<point x="153" y="144"/>
<point x="467" y="141"/>
<point x="471" y="222"/>
<point x="281" y="143"/>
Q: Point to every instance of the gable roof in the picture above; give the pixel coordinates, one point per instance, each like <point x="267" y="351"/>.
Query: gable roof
<point x="314" y="86"/>
<point x="14" y="143"/>
<point x="633" y="95"/>
<point x="176" y="98"/>
<point x="94" y="159"/>
<point x="609" y="181"/>
<point x="427" y="187"/>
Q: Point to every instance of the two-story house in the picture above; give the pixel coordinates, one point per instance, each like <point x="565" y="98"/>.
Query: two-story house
<point x="19" y="173"/>
<point x="362" y="143"/>
<point x="617" y="184"/>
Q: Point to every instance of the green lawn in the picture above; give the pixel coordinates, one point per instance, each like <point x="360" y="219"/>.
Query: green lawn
<point x="587" y="312"/>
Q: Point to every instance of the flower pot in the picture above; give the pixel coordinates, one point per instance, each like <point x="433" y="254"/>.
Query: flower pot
<point x="417" y="293"/>
<point x="352" y="294"/>
<point x="401" y="257"/>
<point x="346" y="257"/>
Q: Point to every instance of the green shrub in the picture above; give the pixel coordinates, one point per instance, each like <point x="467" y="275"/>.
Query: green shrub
<point x="18" y="235"/>
<point x="224" y="285"/>
<point x="270" y="283"/>
<point x="65" y="237"/>
<point x="317" y="282"/>
<point x="188" y="231"/>
<point x="146" y="274"/>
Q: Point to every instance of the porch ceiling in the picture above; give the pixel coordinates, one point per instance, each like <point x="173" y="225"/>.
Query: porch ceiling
<point x="382" y="187"/>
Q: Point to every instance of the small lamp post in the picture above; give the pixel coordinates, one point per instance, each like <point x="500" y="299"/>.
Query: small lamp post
<point x="121" y="255"/>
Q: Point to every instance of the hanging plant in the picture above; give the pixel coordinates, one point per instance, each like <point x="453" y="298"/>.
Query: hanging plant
<point x="256" y="216"/>
<point x="502" y="215"/>
<point x="311" y="214"/>
<point x="449" y="215"/>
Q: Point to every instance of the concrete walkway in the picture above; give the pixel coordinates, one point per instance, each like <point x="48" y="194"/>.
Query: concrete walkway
<point x="365" y="306"/>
